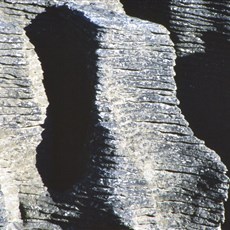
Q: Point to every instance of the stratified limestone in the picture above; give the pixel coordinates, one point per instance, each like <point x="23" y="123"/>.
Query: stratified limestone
<point x="200" y="31"/>
<point x="146" y="169"/>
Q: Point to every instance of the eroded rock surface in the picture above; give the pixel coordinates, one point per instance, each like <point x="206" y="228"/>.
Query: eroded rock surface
<point x="200" y="32"/>
<point x="138" y="164"/>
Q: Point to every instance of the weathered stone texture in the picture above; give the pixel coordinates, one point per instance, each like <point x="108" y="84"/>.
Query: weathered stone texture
<point x="146" y="169"/>
<point x="200" y="32"/>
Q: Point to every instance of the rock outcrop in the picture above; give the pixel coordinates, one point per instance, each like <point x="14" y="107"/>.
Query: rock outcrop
<point x="200" y="32"/>
<point x="92" y="136"/>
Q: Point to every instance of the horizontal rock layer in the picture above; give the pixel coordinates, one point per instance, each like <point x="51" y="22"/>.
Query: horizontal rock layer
<point x="200" y="31"/>
<point x="144" y="167"/>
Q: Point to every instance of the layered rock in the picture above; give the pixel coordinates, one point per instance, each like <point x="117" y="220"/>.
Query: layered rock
<point x="200" y="32"/>
<point x="129" y="159"/>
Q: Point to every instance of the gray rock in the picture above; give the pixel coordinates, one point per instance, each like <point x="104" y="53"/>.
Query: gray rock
<point x="92" y="136"/>
<point x="199" y="30"/>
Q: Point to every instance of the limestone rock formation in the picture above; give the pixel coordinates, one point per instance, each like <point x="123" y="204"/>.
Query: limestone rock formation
<point x="91" y="133"/>
<point x="200" y="32"/>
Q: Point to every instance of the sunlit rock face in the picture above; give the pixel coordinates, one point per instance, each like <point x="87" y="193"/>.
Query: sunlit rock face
<point x="92" y="136"/>
<point x="200" y="32"/>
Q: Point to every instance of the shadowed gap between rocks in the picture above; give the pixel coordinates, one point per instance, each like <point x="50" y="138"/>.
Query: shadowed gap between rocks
<point x="203" y="90"/>
<point x="67" y="56"/>
<point x="63" y="50"/>
<point x="152" y="10"/>
<point x="202" y="79"/>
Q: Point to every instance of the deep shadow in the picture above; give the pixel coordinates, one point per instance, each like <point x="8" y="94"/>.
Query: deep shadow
<point x="203" y="88"/>
<point x="204" y="92"/>
<point x="152" y="10"/>
<point x="64" y="52"/>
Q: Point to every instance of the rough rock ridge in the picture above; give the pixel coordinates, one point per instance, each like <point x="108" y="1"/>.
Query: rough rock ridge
<point x="200" y="32"/>
<point x="144" y="167"/>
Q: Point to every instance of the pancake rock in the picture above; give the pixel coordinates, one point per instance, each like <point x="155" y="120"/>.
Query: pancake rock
<point x="92" y="136"/>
